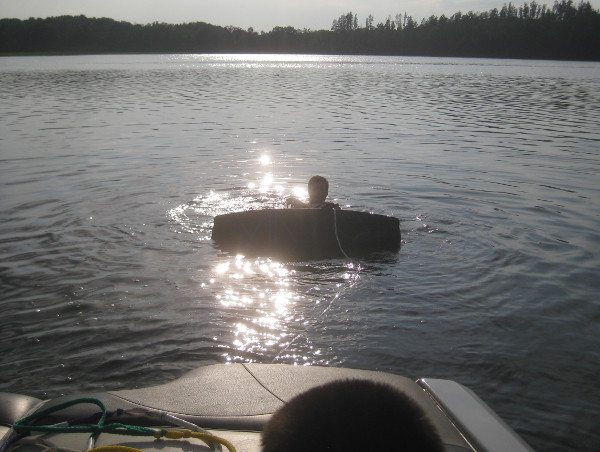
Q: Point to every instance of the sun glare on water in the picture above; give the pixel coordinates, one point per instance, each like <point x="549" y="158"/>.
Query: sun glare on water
<point x="258" y="290"/>
<point x="267" y="309"/>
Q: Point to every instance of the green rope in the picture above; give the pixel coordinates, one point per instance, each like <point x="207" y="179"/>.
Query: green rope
<point x="22" y="425"/>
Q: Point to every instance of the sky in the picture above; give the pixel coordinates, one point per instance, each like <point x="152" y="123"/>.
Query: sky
<point x="262" y="15"/>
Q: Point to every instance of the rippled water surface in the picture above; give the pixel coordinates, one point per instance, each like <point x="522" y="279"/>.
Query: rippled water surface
<point x="113" y="167"/>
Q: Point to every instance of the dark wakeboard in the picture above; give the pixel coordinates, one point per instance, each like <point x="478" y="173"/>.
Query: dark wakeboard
<point x="306" y="234"/>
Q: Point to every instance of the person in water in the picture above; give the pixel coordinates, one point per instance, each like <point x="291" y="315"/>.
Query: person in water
<point x="351" y="416"/>
<point x="318" y="189"/>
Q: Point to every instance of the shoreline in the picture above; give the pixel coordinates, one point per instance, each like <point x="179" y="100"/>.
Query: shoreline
<point x="59" y="54"/>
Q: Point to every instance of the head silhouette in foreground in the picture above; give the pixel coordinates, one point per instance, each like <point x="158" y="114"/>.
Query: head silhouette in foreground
<point x="318" y="189"/>
<point x="351" y="416"/>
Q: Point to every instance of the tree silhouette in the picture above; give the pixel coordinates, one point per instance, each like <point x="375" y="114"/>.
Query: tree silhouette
<point x="563" y="31"/>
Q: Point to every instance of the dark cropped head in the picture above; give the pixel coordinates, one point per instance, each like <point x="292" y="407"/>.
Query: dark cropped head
<point x="351" y="416"/>
<point x="318" y="189"/>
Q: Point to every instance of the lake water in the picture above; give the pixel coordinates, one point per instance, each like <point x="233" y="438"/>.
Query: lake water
<point x="113" y="167"/>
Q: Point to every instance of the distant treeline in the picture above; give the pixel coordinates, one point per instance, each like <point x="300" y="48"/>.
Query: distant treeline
<point x="563" y="31"/>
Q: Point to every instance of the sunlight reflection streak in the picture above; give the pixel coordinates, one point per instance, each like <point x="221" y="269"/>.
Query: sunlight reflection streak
<point x="268" y="307"/>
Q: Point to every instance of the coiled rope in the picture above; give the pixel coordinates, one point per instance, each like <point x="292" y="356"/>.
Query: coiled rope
<point x="23" y="427"/>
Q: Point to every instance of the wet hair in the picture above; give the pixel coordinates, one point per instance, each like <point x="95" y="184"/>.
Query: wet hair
<point x="350" y="415"/>
<point x="319" y="183"/>
<point x="319" y="180"/>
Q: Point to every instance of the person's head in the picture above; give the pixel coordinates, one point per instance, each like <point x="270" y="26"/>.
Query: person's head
<point x="350" y="416"/>
<point x="318" y="188"/>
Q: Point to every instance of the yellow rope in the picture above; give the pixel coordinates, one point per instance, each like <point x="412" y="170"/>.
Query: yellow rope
<point x="206" y="437"/>
<point x="171" y="434"/>
<point x="114" y="449"/>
